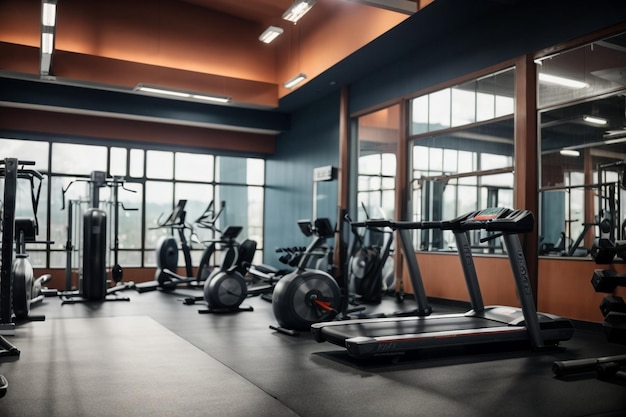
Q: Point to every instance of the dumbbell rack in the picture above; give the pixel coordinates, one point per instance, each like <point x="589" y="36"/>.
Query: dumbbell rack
<point x="613" y="310"/>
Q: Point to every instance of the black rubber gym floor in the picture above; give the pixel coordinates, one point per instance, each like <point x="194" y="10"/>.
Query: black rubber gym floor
<point x="154" y="356"/>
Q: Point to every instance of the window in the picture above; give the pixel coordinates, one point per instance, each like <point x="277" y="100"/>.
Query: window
<point x="485" y="98"/>
<point x="27" y="150"/>
<point x="378" y="138"/>
<point x="160" y="164"/>
<point x="462" y="155"/>
<point x="240" y="187"/>
<point x="117" y="162"/>
<point x="194" y="167"/>
<point x="153" y="181"/>
<point x="69" y="158"/>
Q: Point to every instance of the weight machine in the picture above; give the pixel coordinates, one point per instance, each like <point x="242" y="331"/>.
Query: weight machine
<point x="93" y="283"/>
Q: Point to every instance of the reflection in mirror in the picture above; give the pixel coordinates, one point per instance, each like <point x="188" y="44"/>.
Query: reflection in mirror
<point x="458" y="172"/>
<point x="378" y="136"/>
<point x="467" y="167"/>
<point x="583" y="146"/>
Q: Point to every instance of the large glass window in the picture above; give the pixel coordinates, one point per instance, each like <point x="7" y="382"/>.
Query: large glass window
<point x="583" y="145"/>
<point x="485" y="98"/>
<point x="194" y="167"/>
<point x="117" y="161"/>
<point x="149" y="184"/>
<point x="37" y="152"/>
<point x="467" y="164"/>
<point x="378" y="138"/>
<point x="69" y="158"/>
<point x="160" y="164"/>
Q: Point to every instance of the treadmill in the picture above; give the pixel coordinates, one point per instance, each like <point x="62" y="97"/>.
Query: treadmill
<point x="367" y="338"/>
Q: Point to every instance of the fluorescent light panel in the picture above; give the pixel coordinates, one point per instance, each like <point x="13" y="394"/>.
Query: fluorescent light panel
<point x="298" y="9"/>
<point x="215" y="99"/>
<point x="44" y="64"/>
<point x="47" y="43"/>
<point x="49" y="14"/>
<point x="181" y="94"/>
<point x="595" y="120"/>
<point x="295" y="80"/>
<point x="564" y="82"/>
<point x="270" y="34"/>
<point x="569" y="152"/>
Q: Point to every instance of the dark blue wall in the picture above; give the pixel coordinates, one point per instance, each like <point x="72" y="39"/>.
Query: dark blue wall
<point x="448" y="39"/>
<point x="313" y="141"/>
<point x="525" y="27"/>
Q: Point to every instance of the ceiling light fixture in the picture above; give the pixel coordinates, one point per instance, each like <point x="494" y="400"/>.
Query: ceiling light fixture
<point x="298" y="9"/>
<point x="564" y="82"/>
<point x="47" y="43"/>
<point x="182" y="94"/>
<point x="215" y="99"/>
<point x="595" y="120"/>
<point x="48" y="14"/>
<point x="295" y="80"/>
<point x="48" y="29"/>
<point x="569" y="152"/>
<point x="270" y="34"/>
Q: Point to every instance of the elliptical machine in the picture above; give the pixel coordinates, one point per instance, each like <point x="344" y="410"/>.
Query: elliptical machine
<point x="27" y="290"/>
<point x="165" y="276"/>
<point x="9" y="171"/>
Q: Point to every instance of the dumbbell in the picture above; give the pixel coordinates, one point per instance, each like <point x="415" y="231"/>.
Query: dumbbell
<point x="607" y="280"/>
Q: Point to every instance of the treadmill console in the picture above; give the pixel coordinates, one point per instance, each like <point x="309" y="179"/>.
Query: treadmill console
<point x="490" y="213"/>
<point x="500" y="219"/>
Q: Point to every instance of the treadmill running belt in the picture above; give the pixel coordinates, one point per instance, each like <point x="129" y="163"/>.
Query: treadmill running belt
<point x="365" y="338"/>
<point x="432" y="324"/>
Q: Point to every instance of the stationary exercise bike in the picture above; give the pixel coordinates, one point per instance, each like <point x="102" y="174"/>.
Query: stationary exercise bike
<point x="226" y="288"/>
<point x="317" y="291"/>
<point x="309" y="294"/>
<point x="165" y="277"/>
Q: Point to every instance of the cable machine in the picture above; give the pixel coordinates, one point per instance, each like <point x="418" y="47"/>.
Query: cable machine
<point x="93" y="284"/>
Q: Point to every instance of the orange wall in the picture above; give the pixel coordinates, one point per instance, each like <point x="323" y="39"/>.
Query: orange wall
<point x="190" y="40"/>
<point x="564" y="284"/>
<point x="565" y="288"/>
<point x="443" y="278"/>
<point x="330" y="31"/>
<point x="162" y="33"/>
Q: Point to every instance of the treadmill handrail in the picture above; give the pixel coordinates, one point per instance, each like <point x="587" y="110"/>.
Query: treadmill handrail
<point x="403" y="224"/>
<point x="499" y="220"/>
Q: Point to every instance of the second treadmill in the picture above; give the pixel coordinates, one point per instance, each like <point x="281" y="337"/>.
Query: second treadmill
<point x="383" y="336"/>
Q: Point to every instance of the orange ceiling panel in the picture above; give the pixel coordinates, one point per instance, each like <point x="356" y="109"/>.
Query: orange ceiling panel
<point x="190" y="39"/>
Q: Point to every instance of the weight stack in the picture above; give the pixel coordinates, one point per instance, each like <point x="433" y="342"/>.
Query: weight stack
<point x="93" y="284"/>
